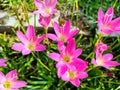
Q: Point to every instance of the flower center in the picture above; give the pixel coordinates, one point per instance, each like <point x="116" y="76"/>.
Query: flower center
<point x="71" y="74"/>
<point x="106" y="26"/>
<point x="100" y="61"/>
<point x="66" y="59"/>
<point x="62" y="38"/>
<point x="31" y="46"/>
<point x="7" y="84"/>
<point x="47" y="11"/>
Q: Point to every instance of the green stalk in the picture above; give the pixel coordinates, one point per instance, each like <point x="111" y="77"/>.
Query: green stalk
<point x="115" y="3"/>
<point x="89" y="55"/>
<point x="91" y="68"/>
<point x="39" y="60"/>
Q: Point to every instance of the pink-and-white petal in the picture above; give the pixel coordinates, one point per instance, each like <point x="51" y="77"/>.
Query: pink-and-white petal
<point x="82" y="75"/>
<point x="54" y="56"/>
<point x="2" y="62"/>
<point x="18" y="46"/>
<point x="52" y="37"/>
<point x="107" y="57"/>
<point x="2" y="77"/>
<point x="70" y="47"/>
<point x="94" y="62"/>
<point x="77" y="52"/>
<point x="45" y="19"/>
<point x="61" y="71"/>
<point x="109" y="15"/>
<point x="75" y="82"/>
<point x="100" y="14"/>
<point x="12" y="75"/>
<point x="39" y="39"/>
<point x="115" y="24"/>
<point x="112" y="63"/>
<point x="38" y="3"/>
<point x="57" y="28"/>
<point x="66" y="28"/>
<point x="18" y="84"/>
<point x="22" y="37"/>
<point x="61" y="46"/>
<point x="40" y="48"/>
<point x="30" y="32"/>
<point x="26" y="51"/>
<point x="73" y="33"/>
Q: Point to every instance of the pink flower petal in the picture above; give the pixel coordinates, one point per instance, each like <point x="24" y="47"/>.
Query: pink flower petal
<point x="12" y="75"/>
<point x="44" y="20"/>
<point x="61" y="71"/>
<point x="39" y="39"/>
<point x="51" y="3"/>
<point x="38" y="3"/>
<point x="61" y="46"/>
<point x="52" y="36"/>
<point x="57" y="28"/>
<point x="22" y="37"/>
<point x="18" y="84"/>
<point x="79" y="64"/>
<point x="73" y="33"/>
<point x="30" y="32"/>
<point x="66" y="28"/>
<point x="94" y="62"/>
<point x="26" y="51"/>
<point x="75" y="82"/>
<point x="112" y="63"/>
<point x="40" y="48"/>
<point x="70" y="47"/>
<point x="106" y="66"/>
<point x="2" y="62"/>
<point x="2" y="77"/>
<point x="109" y="14"/>
<point x="116" y="24"/>
<point x="82" y="75"/>
<point x="77" y="52"/>
<point x="54" y="56"/>
<point x="18" y="46"/>
<point x="107" y="57"/>
<point x="100" y="14"/>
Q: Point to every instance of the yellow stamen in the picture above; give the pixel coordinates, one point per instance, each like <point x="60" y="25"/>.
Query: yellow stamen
<point x="31" y="46"/>
<point x="71" y="74"/>
<point x="7" y="84"/>
<point x="66" y="59"/>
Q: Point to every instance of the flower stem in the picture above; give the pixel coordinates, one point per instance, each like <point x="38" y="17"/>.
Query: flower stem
<point x="46" y="30"/>
<point x="39" y="60"/>
<point x="115" y="3"/>
<point x="99" y="38"/>
<point x="91" y="68"/>
<point x="89" y="55"/>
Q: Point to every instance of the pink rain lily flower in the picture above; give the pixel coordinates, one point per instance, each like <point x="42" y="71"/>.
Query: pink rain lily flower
<point x="106" y="24"/>
<point x="101" y="47"/>
<point x="45" y="11"/>
<point x="62" y="34"/>
<point x="74" y="74"/>
<point x="29" y="42"/>
<point x="67" y="57"/>
<point x="46" y="7"/>
<point x="44" y="21"/>
<point x="2" y="62"/>
<point x="10" y="82"/>
<point x="104" y="61"/>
